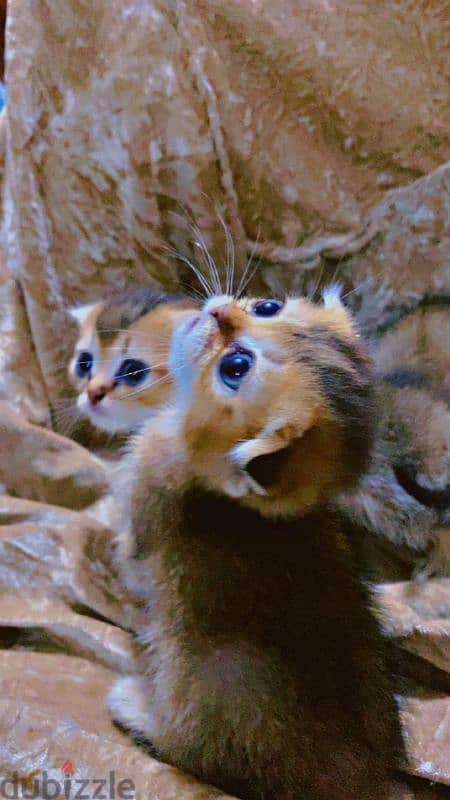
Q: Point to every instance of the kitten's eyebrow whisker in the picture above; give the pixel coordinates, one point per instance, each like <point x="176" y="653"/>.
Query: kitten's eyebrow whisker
<point x="195" y="270"/>
<point x="243" y="283"/>
<point x="336" y="271"/>
<point x="249" y="275"/>
<point x="214" y="285"/>
<point x="312" y="294"/>
<point x="231" y="255"/>
<point x="207" y="257"/>
<point x="195" y="292"/>
<point x="208" y="260"/>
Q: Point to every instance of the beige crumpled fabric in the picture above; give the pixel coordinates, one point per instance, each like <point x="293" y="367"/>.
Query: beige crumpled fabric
<point x="318" y="131"/>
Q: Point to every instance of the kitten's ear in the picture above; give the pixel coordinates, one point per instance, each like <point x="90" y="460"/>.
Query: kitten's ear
<point x="338" y="314"/>
<point x="81" y="313"/>
<point x="331" y="295"/>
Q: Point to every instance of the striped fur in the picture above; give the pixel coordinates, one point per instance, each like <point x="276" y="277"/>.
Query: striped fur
<point x="404" y="496"/>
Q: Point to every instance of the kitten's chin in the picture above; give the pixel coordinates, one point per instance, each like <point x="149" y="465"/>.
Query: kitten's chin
<point x="113" y="416"/>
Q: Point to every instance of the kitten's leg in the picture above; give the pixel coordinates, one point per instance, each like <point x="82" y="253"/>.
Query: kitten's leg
<point x="129" y="704"/>
<point x="240" y="484"/>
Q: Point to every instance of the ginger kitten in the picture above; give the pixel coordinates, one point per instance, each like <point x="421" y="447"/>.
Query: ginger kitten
<point x="119" y="366"/>
<point x="265" y="668"/>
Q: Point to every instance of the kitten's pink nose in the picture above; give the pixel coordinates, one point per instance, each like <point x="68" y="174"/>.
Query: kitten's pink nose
<point x="224" y="320"/>
<point x="230" y="319"/>
<point x="220" y="313"/>
<point x="97" y="393"/>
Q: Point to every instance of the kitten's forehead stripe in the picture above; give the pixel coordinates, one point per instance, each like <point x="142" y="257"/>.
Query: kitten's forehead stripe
<point x="320" y="335"/>
<point x="345" y="377"/>
<point x="121" y="310"/>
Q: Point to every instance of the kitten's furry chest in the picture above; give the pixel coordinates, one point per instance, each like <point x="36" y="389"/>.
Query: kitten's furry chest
<point x="230" y="578"/>
<point x="266" y="671"/>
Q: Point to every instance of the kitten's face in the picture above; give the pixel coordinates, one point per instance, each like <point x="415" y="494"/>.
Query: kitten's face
<point x="277" y="399"/>
<point x="121" y="374"/>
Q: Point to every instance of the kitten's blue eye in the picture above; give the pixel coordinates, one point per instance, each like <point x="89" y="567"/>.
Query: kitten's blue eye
<point x="84" y="364"/>
<point x="234" y="366"/>
<point x="132" y="371"/>
<point x="267" y="308"/>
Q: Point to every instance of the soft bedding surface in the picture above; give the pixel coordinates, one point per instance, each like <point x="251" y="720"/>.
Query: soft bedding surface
<point x="318" y="130"/>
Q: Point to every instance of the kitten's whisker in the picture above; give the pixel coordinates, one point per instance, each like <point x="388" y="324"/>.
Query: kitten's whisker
<point x="193" y="293"/>
<point x="231" y="255"/>
<point x="243" y="283"/>
<point x="208" y="260"/>
<point x="146" y="369"/>
<point x="312" y="294"/>
<point x="249" y="277"/>
<point x="201" y="278"/>
<point x="134" y="372"/>
<point x="347" y="294"/>
<point x="164" y="378"/>
<point x="206" y="255"/>
<point x="335" y="274"/>
<point x="249" y="273"/>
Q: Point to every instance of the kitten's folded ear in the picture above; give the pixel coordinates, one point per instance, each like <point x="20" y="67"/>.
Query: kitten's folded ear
<point x="81" y="313"/>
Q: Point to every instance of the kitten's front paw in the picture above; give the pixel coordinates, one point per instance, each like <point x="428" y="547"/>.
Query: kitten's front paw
<point x="242" y="453"/>
<point x="240" y="484"/>
<point x="128" y="704"/>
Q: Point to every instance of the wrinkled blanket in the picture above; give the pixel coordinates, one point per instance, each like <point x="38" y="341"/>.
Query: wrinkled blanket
<point x="318" y="131"/>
